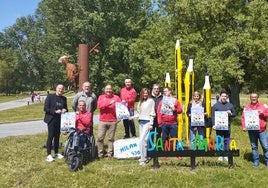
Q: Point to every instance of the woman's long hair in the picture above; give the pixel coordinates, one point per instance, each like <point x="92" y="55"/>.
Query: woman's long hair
<point x="196" y="93"/>
<point x="142" y="94"/>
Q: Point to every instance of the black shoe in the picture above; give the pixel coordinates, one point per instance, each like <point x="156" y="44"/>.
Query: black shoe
<point x="156" y="166"/>
<point x="126" y="137"/>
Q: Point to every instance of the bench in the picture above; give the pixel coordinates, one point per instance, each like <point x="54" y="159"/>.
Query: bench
<point x="195" y="153"/>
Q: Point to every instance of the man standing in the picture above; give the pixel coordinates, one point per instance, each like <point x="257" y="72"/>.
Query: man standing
<point x="157" y="97"/>
<point x="108" y="121"/>
<point x="90" y="99"/>
<point x="128" y="95"/>
<point x="55" y="105"/>
<point x="255" y="135"/>
<point x="223" y="105"/>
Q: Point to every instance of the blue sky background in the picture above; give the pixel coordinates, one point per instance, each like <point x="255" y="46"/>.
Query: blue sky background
<point x="10" y="10"/>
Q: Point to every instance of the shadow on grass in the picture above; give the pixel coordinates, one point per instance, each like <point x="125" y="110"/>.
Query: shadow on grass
<point x="248" y="157"/>
<point x="185" y="162"/>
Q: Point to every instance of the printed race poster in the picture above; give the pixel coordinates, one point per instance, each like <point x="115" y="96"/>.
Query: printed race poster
<point x="221" y="120"/>
<point x="167" y="102"/>
<point x="127" y="148"/>
<point x="67" y="121"/>
<point x="252" y="121"/>
<point x="197" y="116"/>
<point x="121" y="111"/>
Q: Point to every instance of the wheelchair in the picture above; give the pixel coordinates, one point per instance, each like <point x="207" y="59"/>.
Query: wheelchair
<point x="79" y="149"/>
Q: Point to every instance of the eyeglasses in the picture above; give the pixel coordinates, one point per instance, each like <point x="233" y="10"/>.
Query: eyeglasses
<point x="156" y="88"/>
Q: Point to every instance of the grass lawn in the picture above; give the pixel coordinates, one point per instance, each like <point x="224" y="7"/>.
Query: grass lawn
<point x="6" y="98"/>
<point x="22" y="164"/>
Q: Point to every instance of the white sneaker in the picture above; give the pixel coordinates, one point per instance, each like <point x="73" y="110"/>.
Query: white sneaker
<point x="142" y="163"/>
<point x="220" y="159"/>
<point x="226" y="159"/>
<point x="58" y="156"/>
<point x="50" y="158"/>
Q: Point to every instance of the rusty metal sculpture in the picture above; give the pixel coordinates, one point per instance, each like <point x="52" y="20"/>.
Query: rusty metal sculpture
<point x="72" y="71"/>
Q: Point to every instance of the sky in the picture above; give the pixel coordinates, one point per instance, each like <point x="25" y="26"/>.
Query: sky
<point x="10" y="10"/>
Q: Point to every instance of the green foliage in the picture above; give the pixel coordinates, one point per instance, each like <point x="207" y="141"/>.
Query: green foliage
<point x="227" y="39"/>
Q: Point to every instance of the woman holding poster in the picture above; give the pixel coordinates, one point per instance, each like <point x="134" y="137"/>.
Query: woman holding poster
<point x="256" y="128"/>
<point x="146" y="114"/>
<point x="222" y="112"/>
<point x="167" y="115"/>
<point x="195" y="111"/>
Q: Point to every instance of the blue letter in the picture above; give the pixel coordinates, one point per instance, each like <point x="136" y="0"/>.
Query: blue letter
<point x="151" y="141"/>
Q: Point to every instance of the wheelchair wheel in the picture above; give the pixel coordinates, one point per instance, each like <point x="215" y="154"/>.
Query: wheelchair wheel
<point x="67" y="147"/>
<point x="74" y="164"/>
<point x="92" y="153"/>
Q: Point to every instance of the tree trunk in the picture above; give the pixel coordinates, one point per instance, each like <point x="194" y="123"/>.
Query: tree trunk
<point x="234" y="95"/>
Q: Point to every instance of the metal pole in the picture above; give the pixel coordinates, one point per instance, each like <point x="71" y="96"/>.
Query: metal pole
<point x="83" y="59"/>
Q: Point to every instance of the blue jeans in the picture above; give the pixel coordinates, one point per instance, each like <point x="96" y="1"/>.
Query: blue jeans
<point x="169" y="130"/>
<point x="263" y="137"/>
<point x="129" y="124"/>
<point x="193" y="130"/>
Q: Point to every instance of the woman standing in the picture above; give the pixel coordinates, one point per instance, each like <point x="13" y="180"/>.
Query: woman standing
<point x="146" y="114"/>
<point x="196" y="102"/>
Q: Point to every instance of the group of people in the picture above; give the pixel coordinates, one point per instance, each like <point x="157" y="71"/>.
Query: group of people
<point x="34" y="97"/>
<point x="155" y="112"/>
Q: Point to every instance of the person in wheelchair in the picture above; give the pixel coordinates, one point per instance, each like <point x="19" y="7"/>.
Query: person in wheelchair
<point x="83" y="121"/>
<point x="80" y="145"/>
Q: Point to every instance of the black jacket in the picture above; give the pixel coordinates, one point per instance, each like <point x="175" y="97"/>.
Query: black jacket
<point x="53" y="103"/>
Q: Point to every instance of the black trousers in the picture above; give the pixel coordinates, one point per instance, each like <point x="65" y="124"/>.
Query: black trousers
<point x="53" y="135"/>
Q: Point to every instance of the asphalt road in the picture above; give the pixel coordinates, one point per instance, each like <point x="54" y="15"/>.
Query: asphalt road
<point x="27" y="127"/>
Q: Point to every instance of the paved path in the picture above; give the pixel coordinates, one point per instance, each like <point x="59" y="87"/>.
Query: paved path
<point x="20" y="103"/>
<point x="27" y="127"/>
<point x="22" y="128"/>
<point x="14" y="104"/>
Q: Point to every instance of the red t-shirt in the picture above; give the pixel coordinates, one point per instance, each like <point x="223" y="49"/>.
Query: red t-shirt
<point x="107" y="110"/>
<point x="83" y="120"/>
<point x="129" y="96"/>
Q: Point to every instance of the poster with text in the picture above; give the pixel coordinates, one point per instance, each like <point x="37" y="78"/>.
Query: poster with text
<point x="67" y="121"/>
<point x="252" y="121"/>
<point x="127" y="148"/>
<point x="197" y="116"/>
<point x="167" y="102"/>
<point x="121" y="111"/>
<point x="221" y="120"/>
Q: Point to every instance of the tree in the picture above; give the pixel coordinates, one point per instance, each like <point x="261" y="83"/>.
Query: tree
<point x="220" y="35"/>
<point x="113" y="24"/>
<point x="7" y="63"/>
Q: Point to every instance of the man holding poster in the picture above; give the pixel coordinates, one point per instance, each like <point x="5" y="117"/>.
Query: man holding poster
<point x="128" y="95"/>
<point x="108" y="121"/>
<point x="222" y="111"/>
<point x="256" y="127"/>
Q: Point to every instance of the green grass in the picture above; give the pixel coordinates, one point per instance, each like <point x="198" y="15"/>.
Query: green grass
<point x="6" y="98"/>
<point x="25" y="113"/>
<point x="22" y="164"/>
